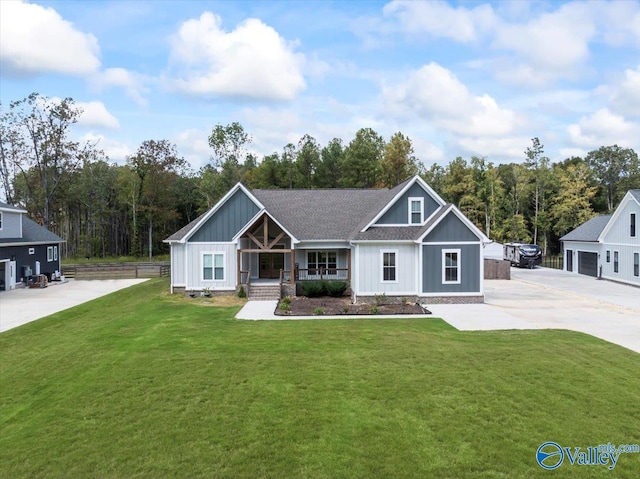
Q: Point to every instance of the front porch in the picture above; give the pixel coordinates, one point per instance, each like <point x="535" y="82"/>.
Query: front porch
<point x="267" y="254"/>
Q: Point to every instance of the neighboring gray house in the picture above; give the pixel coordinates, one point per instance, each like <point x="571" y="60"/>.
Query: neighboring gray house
<point x="403" y="242"/>
<point x="26" y="248"/>
<point x="607" y="246"/>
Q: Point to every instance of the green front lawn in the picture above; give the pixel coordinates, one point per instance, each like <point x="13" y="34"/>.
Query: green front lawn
<point x="139" y="384"/>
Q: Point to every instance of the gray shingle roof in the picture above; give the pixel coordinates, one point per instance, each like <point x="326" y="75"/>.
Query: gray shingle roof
<point x="635" y="194"/>
<point x="405" y="233"/>
<point x="329" y="214"/>
<point x="32" y="232"/>
<point x="334" y="214"/>
<point x="6" y="206"/>
<point x="588" y="231"/>
<point x="182" y="232"/>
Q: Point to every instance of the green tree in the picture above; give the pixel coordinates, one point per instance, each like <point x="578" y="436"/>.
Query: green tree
<point x="616" y="169"/>
<point x="398" y="162"/>
<point x="328" y="172"/>
<point x="572" y="205"/>
<point x="307" y="160"/>
<point x="539" y="168"/>
<point x="361" y="161"/>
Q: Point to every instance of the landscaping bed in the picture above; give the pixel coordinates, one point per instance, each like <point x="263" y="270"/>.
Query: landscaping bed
<point x="328" y="306"/>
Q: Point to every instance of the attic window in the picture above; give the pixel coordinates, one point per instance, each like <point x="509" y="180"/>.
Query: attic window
<point x="416" y="208"/>
<point x="633" y="224"/>
<point x="0" y="220"/>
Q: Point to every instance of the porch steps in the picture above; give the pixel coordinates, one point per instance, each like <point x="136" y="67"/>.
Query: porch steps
<point x="264" y="292"/>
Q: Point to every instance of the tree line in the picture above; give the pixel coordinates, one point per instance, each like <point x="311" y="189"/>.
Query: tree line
<point x="104" y="209"/>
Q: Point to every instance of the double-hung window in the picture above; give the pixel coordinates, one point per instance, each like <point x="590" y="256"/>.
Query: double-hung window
<point x="327" y="260"/>
<point x="49" y="253"/>
<point x="608" y="256"/>
<point x="636" y="264"/>
<point x="416" y="207"/>
<point x="213" y="266"/>
<point x="615" y="262"/>
<point x="389" y="264"/>
<point x="450" y="266"/>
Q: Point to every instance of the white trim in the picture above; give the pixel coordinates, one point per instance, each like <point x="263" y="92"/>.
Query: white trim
<point x="451" y="242"/>
<point x="10" y="210"/>
<point x="416" y="179"/>
<point x="31" y="243"/>
<point x="32" y="251"/>
<point x="473" y="228"/>
<point x="216" y="207"/>
<point x="213" y="266"/>
<point x="355" y="275"/>
<point x="420" y="269"/>
<point x="420" y="200"/>
<point x="458" y="252"/>
<point x="628" y="197"/>
<point x="395" y="266"/>
<point x="481" y="259"/>
<point x="49" y="254"/>
<point x="382" y="242"/>
<point x="212" y="243"/>
<point x="55" y="253"/>
<point x="244" y="229"/>
<point x="633" y="245"/>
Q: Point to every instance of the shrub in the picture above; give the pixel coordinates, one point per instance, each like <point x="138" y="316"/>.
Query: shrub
<point x="241" y="292"/>
<point x="285" y="306"/>
<point x="345" y="310"/>
<point x="318" y="311"/>
<point x="404" y="301"/>
<point x="374" y="310"/>
<point x="380" y="299"/>
<point x="313" y="289"/>
<point x="336" y="289"/>
<point x="286" y="300"/>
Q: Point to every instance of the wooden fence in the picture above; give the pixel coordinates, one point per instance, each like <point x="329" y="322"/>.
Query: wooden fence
<point x="555" y="262"/>
<point x="116" y="270"/>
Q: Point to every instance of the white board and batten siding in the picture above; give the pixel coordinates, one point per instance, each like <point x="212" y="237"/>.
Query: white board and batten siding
<point x="177" y="265"/>
<point x="368" y="267"/>
<point x="194" y="266"/>
<point x="617" y="237"/>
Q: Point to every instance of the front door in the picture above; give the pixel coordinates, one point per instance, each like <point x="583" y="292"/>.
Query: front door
<point x="271" y="264"/>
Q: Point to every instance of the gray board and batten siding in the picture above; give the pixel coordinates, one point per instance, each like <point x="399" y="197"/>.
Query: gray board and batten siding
<point x="469" y="269"/>
<point x="10" y="225"/>
<point x="23" y="258"/>
<point x="450" y="228"/>
<point x="230" y="218"/>
<point x="398" y="213"/>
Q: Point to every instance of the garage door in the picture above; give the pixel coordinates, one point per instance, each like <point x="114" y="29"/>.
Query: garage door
<point x="588" y="263"/>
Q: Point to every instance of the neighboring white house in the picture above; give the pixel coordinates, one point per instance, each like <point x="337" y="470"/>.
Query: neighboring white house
<point x="607" y="246"/>
<point x="404" y="242"/>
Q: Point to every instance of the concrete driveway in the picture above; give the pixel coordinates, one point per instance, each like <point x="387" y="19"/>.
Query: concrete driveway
<point x="547" y="298"/>
<point x="21" y="306"/>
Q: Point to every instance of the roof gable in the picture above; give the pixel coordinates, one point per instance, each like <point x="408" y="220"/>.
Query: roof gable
<point x="632" y="197"/>
<point x="235" y="209"/>
<point x="398" y="211"/>
<point x="449" y="224"/>
<point x="398" y="194"/>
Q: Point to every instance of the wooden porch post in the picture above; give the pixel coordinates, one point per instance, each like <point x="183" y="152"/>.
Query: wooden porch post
<point x="349" y="265"/>
<point x="292" y="266"/>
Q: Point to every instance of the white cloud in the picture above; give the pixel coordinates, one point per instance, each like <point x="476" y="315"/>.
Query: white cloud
<point x="251" y="61"/>
<point x="549" y="46"/>
<point x="435" y="94"/>
<point x="95" y="114"/>
<point x="625" y="98"/>
<point x="115" y="150"/>
<point x="130" y="82"/>
<point x="604" y="128"/>
<point x="440" y="19"/>
<point x="35" y="39"/>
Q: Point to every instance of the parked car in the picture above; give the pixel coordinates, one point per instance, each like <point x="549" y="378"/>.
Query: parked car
<point x="523" y="255"/>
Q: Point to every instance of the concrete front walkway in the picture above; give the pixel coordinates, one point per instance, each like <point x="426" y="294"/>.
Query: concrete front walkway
<point x="21" y="306"/>
<point x="542" y="298"/>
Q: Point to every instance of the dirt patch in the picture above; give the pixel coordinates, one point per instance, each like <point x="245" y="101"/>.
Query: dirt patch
<point x="327" y="306"/>
<point x="226" y="300"/>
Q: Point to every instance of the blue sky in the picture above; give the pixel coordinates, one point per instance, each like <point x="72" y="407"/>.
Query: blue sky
<point x="459" y="78"/>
